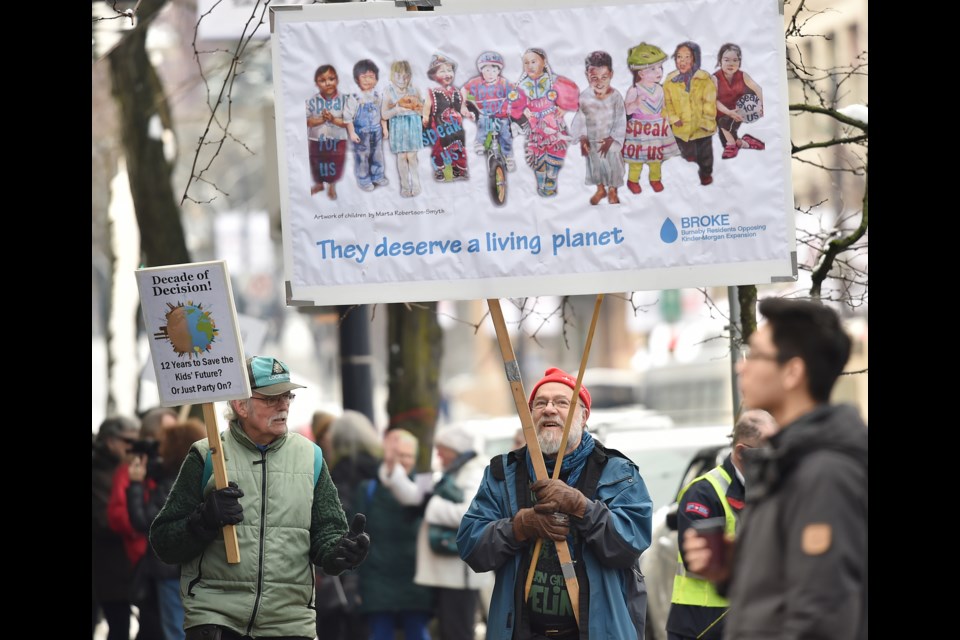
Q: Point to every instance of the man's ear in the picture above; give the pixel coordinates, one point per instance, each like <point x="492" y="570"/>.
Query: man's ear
<point x="794" y="372"/>
<point x="586" y="413"/>
<point x="239" y="408"/>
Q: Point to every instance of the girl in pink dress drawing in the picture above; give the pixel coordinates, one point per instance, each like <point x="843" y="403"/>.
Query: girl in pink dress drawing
<point x="543" y="98"/>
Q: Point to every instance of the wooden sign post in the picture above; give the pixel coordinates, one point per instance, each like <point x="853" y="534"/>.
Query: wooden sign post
<point x="220" y="477"/>
<point x="512" y="370"/>
<point x="563" y="440"/>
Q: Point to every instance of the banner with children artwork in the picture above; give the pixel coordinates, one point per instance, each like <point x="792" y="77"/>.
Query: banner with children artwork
<point x="509" y="149"/>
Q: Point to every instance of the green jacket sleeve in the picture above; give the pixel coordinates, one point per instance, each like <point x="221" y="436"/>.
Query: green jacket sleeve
<point x="173" y="535"/>
<point x="328" y="523"/>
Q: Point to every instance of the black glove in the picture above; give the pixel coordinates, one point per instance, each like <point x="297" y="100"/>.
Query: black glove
<point x="222" y="507"/>
<point x="352" y="547"/>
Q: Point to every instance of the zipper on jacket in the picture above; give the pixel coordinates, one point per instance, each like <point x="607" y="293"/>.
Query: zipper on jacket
<point x="199" y="577"/>
<point x="263" y="524"/>
<point x="313" y="597"/>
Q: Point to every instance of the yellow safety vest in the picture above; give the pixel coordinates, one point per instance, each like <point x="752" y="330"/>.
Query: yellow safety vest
<point x="688" y="587"/>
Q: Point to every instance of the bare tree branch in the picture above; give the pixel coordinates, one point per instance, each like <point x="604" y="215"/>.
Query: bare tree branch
<point x="224" y="95"/>
<point x="835" y="247"/>
<point x="833" y="113"/>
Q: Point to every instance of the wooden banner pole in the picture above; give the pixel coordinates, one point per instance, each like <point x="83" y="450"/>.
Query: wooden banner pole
<point x="220" y="477"/>
<point x="566" y="432"/>
<point x="512" y="369"/>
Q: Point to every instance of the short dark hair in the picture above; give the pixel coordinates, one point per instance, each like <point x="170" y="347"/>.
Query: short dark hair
<point x="748" y="425"/>
<point x="729" y="46"/>
<point x="118" y="427"/>
<point x="363" y="66"/>
<point x="322" y="69"/>
<point x="152" y="420"/>
<point x="599" y="59"/>
<point x="813" y="333"/>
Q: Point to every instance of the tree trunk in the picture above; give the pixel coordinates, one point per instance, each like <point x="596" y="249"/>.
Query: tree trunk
<point x="143" y="115"/>
<point x="140" y="99"/>
<point x="415" y="343"/>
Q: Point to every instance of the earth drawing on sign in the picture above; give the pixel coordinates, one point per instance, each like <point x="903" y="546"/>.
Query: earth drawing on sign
<point x="190" y="330"/>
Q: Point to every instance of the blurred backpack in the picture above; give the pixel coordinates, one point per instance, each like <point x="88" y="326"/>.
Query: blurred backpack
<point x="443" y="540"/>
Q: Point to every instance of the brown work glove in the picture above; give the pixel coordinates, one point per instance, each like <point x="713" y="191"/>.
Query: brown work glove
<point x="566" y="498"/>
<point x="530" y="524"/>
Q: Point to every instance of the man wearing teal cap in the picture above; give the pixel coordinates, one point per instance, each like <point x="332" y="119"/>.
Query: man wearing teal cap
<point x="287" y="515"/>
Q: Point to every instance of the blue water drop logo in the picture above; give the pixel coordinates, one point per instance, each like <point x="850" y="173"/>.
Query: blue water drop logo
<point x="668" y="232"/>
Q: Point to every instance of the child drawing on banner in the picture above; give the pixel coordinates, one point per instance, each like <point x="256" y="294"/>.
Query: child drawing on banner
<point x="649" y="139"/>
<point x="362" y="114"/>
<point x="691" y="103"/>
<point x="326" y="132"/>
<point x="402" y="106"/>
<point x="739" y="100"/>
<point x="489" y="92"/>
<point x="443" y="124"/>
<point x="598" y="126"/>
<point x="544" y="97"/>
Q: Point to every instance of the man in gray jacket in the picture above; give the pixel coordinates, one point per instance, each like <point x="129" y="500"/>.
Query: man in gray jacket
<point x="801" y="560"/>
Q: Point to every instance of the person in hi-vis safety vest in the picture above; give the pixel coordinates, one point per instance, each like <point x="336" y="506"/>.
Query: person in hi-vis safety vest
<point x="696" y="610"/>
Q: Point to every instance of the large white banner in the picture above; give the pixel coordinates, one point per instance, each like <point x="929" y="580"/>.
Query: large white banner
<point x="622" y="146"/>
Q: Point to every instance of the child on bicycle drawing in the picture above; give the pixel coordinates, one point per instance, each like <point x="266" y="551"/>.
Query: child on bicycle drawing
<point x="489" y="92"/>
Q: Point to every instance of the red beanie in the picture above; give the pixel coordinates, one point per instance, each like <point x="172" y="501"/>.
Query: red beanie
<point x="559" y="375"/>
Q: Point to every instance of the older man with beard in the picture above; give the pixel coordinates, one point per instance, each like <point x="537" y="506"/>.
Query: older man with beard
<point x="288" y="518"/>
<point x="599" y="506"/>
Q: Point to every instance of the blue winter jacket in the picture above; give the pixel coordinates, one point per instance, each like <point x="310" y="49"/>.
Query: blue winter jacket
<point x="615" y="530"/>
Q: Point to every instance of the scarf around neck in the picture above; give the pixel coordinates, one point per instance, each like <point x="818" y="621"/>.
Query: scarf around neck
<point x="573" y="462"/>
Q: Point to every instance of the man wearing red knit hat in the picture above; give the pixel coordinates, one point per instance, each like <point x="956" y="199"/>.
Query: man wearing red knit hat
<point x="549" y="424"/>
<point x="599" y="506"/>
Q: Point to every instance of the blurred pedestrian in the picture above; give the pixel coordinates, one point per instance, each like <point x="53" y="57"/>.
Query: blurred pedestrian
<point x="388" y="596"/>
<point x="287" y="517"/>
<point x="599" y="506"/>
<point x="319" y="427"/>
<point x="355" y="453"/>
<point x="438" y="562"/>
<point x="111" y="567"/>
<point x="150" y="481"/>
<point x="800" y="567"/>
<point x="697" y="610"/>
<point x="353" y="449"/>
<point x="144" y="450"/>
